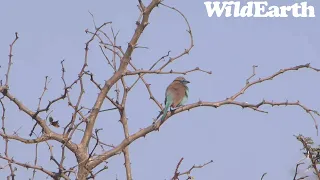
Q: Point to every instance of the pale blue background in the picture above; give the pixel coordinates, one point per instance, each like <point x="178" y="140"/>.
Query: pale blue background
<point x="242" y="143"/>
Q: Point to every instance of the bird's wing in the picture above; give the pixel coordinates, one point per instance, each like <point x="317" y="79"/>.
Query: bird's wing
<point x="177" y="91"/>
<point x="185" y="98"/>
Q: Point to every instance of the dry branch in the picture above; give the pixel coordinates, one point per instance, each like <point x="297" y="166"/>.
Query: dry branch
<point x="188" y="172"/>
<point x="10" y="59"/>
<point x="311" y="153"/>
<point x="229" y="101"/>
<point x="122" y="67"/>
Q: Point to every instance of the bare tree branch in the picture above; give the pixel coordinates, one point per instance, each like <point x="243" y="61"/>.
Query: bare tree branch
<point x="186" y="51"/>
<point x="229" y="101"/>
<point x="296" y="172"/>
<point x="26" y="165"/>
<point x="83" y="119"/>
<point x="4" y="136"/>
<point x="311" y="153"/>
<point x="10" y="59"/>
<point x="109" y="83"/>
<point x="161" y="72"/>
<point x="263" y="175"/>
<point x="188" y="172"/>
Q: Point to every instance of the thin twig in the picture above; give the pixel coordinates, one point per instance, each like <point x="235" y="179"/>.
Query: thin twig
<point x="188" y="172"/>
<point x="10" y="58"/>
<point x="263" y="175"/>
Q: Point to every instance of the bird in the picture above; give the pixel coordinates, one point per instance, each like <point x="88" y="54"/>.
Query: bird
<point x="176" y="94"/>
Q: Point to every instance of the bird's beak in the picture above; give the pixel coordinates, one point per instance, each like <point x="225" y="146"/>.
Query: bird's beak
<point x="187" y="81"/>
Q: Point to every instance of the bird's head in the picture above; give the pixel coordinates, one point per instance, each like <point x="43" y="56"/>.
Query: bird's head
<point x="182" y="80"/>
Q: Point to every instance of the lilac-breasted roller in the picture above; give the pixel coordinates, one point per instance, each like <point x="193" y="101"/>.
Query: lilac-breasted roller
<point x="176" y="94"/>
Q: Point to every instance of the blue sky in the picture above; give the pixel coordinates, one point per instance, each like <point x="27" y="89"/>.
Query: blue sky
<point x="242" y="143"/>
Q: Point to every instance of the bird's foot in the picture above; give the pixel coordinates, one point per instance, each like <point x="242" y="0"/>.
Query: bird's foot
<point x="172" y="110"/>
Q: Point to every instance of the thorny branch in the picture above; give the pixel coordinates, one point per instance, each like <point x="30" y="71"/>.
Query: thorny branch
<point x="296" y="172"/>
<point x="4" y="136"/>
<point x="188" y="172"/>
<point x="10" y="59"/>
<point x="312" y="153"/>
<point x="186" y="51"/>
<point x="229" y="101"/>
<point x="124" y="122"/>
<point x="26" y="165"/>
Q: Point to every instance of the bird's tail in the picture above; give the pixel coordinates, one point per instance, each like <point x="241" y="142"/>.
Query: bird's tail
<point x="165" y="111"/>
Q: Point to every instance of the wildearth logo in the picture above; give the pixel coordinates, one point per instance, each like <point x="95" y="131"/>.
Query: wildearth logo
<point x="258" y="9"/>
